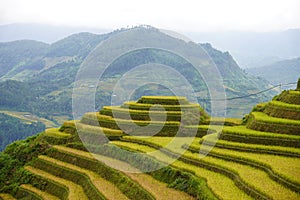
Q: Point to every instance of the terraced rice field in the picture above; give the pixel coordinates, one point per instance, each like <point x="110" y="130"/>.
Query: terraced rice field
<point x="75" y="191"/>
<point x="255" y="160"/>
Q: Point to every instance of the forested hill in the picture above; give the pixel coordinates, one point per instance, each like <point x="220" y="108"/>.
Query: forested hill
<point x="43" y="74"/>
<point x="12" y="129"/>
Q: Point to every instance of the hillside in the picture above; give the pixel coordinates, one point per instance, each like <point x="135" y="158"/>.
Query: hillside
<point x="13" y="54"/>
<point x="285" y="71"/>
<point x="13" y="128"/>
<point x="257" y="158"/>
<point x="53" y="72"/>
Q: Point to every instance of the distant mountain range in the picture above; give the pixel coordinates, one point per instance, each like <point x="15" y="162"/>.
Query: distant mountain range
<point x="250" y="49"/>
<point x="38" y="77"/>
<point x="254" y="49"/>
<point x="41" y="32"/>
<point x="285" y="71"/>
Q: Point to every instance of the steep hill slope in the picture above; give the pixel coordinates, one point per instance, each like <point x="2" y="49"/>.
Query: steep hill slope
<point x="10" y="127"/>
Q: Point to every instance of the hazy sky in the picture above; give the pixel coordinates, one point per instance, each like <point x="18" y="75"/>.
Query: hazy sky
<point x="181" y="15"/>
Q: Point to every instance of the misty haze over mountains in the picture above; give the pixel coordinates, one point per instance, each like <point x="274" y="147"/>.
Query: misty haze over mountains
<point x="250" y="49"/>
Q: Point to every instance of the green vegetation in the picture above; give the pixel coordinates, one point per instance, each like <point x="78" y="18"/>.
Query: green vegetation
<point x="244" y="131"/>
<point x="143" y="106"/>
<point x="6" y="197"/>
<point x="283" y="110"/>
<point x="54" y="132"/>
<point x="140" y="114"/>
<point x="106" y="188"/>
<point x="223" y="121"/>
<point x="12" y="160"/>
<point x="76" y="177"/>
<point x="12" y="129"/>
<point x="275" y="150"/>
<point x="164" y="100"/>
<point x="258" y="181"/>
<point x="285" y="105"/>
<point x="245" y="135"/>
<point x="263" y="122"/>
<point x="174" y="178"/>
<point x="44" y="73"/>
<point x="272" y="120"/>
<point x="40" y="193"/>
<point x="74" y="191"/>
<point x="213" y="177"/>
<point x="290" y="97"/>
<point x="87" y="160"/>
<point x="240" y="162"/>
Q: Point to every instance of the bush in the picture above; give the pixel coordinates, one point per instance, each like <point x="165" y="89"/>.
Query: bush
<point x="69" y="127"/>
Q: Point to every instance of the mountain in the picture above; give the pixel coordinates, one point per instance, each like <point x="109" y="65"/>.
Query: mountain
<point x="285" y="71"/>
<point x="20" y="60"/>
<point x="254" y="49"/>
<point x="41" y="32"/>
<point x="46" y="76"/>
<point x="249" y="49"/>
<point x="13" y="54"/>
<point x="102" y="156"/>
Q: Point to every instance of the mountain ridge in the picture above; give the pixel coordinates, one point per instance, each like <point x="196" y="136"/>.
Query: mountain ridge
<point x="53" y="70"/>
<point x="284" y="71"/>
